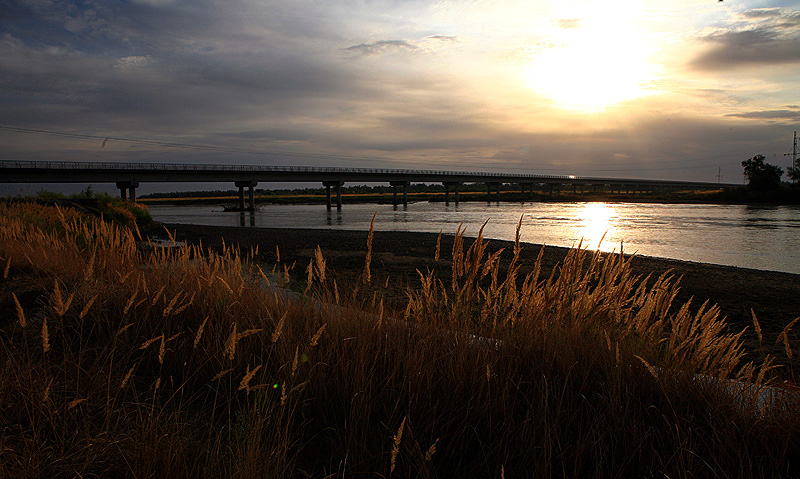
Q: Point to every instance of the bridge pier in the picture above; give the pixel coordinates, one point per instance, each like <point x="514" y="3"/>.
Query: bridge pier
<point x="338" y="189"/>
<point x="447" y="185"/>
<point x="489" y="191"/>
<point x="125" y="186"/>
<point x="251" y="198"/>
<point x="395" y="184"/>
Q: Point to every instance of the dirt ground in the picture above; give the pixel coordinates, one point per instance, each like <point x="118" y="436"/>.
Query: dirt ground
<point x="396" y="257"/>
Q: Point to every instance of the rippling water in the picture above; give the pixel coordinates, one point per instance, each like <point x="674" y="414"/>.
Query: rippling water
<point x="760" y="237"/>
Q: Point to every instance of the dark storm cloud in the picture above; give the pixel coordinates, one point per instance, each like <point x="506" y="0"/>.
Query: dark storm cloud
<point x="381" y="46"/>
<point x="768" y="37"/>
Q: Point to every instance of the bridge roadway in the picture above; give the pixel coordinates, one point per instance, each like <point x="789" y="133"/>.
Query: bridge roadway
<point x="128" y="176"/>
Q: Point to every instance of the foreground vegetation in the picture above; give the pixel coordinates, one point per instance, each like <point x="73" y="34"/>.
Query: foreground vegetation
<point x="101" y="205"/>
<point x="126" y="360"/>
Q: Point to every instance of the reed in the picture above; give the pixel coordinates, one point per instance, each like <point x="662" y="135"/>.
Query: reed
<point x="128" y="359"/>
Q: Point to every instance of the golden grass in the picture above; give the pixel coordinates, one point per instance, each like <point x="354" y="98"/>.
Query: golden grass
<point x="186" y="362"/>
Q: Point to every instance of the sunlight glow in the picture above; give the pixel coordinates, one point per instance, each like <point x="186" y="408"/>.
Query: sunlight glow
<point x="596" y="222"/>
<point x="594" y="61"/>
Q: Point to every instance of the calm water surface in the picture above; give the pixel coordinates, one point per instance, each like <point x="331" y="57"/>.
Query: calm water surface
<point x="757" y="237"/>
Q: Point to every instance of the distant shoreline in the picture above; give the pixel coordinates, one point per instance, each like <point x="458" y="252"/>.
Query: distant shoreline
<point x="481" y="196"/>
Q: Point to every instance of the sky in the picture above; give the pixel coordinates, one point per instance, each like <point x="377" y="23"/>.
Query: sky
<point x="682" y="89"/>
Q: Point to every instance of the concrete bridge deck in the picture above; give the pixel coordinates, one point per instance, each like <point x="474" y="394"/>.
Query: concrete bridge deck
<point x="128" y="176"/>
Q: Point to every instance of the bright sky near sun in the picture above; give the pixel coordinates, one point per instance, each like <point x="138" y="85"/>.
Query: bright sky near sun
<point x="684" y="89"/>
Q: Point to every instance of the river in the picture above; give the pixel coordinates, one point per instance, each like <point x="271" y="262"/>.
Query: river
<point x="758" y="237"/>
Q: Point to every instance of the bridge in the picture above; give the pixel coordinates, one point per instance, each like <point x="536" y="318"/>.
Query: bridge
<point x="128" y="177"/>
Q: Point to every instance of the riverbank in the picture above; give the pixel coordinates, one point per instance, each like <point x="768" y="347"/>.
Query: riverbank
<point x="397" y="256"/>
<point x="122" y="363"/>
<point x="786" y="195"/>
<point x="464" y="197"/>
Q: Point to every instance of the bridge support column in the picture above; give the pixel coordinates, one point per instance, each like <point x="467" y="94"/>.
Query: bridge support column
<point x="447" y="185"/>
<point x="489" y="191"/>
<point x="127" y="186"/>
<point x="337" y="185"/>
<point x="404" y="184"/>
<point x="251" y="200"/>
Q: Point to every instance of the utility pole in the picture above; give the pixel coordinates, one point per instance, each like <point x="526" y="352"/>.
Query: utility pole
<point x="795" y="162"/>
<point x="719" y="174"/>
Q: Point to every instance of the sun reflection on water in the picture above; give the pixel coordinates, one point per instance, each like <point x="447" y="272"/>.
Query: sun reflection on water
<point x="596" y="225"/>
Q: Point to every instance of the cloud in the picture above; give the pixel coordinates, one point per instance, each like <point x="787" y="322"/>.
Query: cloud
<point x="444" y="38"/>
<point x="764" y="37"/>
<point x="793" y="115"/>
<point x="762" y="13"/>
<point x="569" y="23"/>
<point x="150" y="66"/>
<point x="381" y="46"/>
<point x="133" y="62"/>
<point x="281" y="75"/>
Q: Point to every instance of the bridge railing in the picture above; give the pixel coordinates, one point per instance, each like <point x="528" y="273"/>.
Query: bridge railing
<point x="96" y="165"/>
<point x="425" y="175"/>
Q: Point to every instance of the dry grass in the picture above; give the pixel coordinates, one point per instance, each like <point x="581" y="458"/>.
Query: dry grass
<point x="183" y="362"/>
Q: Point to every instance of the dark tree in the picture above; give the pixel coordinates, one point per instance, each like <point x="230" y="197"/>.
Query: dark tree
<point x="793" y="173"/>
<point x="761" y="176"/>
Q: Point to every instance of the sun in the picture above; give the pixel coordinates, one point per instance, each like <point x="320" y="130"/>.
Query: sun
<point x="598" y="61"/>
